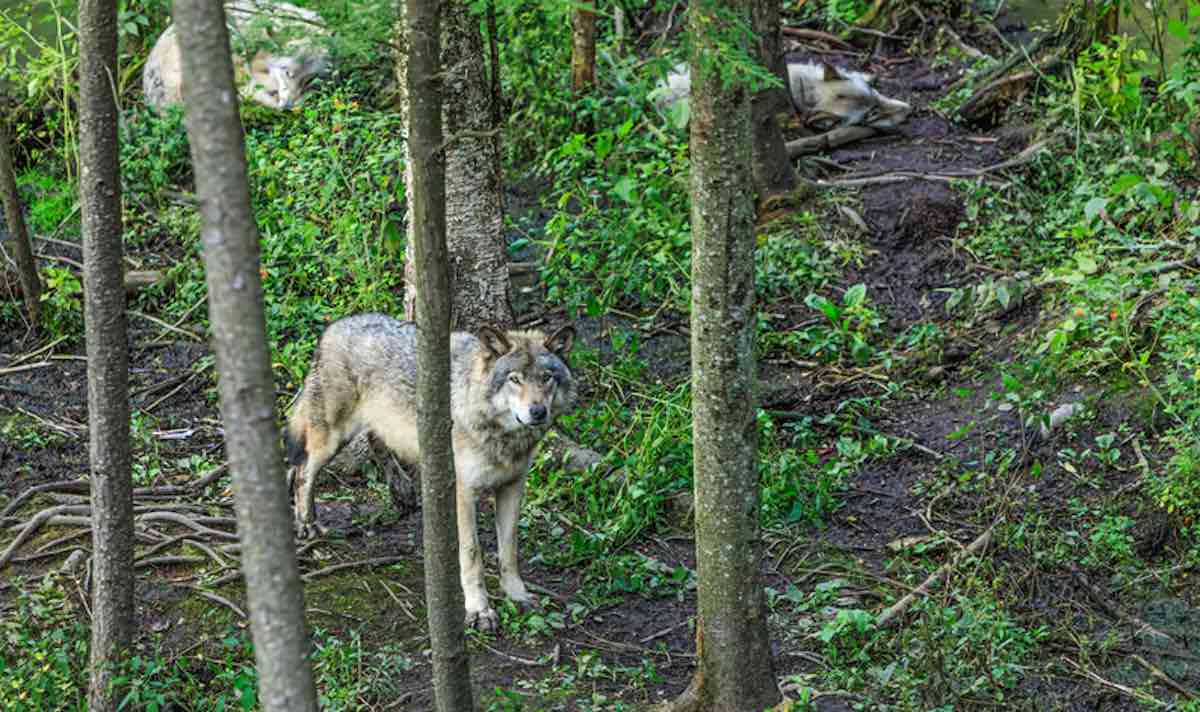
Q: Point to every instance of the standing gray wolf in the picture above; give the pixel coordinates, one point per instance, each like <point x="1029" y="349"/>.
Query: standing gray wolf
<point x="824" y="95"/>
<point x="506" y="388"/>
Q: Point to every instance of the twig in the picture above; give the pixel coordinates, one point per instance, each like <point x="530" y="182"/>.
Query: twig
<point x="1023" y="157"/>
<point x="802" y="33"/>
<point x="828" y="140"/>
<point x="1163" y="677"/>
<point x="190" y="523"/>
<point x="523" y="661"/>
<point x="33" y="354"/>
<point x="378" y="561"/>
<point x="899" y="607"/>
<point x="168" y="327"/>
<point x="664" y="631"/>
<point x="27" y="367"/>
<point x="215" y="598"/>
<point x="1102" y="601"/>
<point x="167" y="561"/>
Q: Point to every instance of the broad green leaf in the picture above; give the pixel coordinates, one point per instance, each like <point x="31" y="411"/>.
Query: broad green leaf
<point x="1093" y="207"/>
<point x="855" y="295"/>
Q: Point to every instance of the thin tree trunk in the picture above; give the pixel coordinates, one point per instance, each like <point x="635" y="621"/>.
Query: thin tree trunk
<point x="583" y="49"/>
<point x="497" y="90"/>
<point x="734" y="671"/>
<point x="31" y="286"/>
<point x="107" y="351"/>
<point x="247" y="395"/>
<point x="474" y="221"/>
<point x="443" y="595"/>
<point x="772" y="167"/>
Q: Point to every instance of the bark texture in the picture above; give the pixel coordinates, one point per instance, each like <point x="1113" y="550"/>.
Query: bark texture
<point x="583" y="49"/>
<point x="31" y="286"/>
<point x="247" y="395"/>
<point x="443" y="595"/>
<point x="734" y="671"/>
<point x="772" y="167"/>
<point x="474" y="221"/>
<point x="107" y="351"/>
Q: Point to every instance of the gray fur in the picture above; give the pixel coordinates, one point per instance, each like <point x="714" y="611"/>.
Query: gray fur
<point x="506" y="388"/>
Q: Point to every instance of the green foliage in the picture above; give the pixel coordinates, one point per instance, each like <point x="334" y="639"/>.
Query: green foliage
<point x="43" y="658"/>
<point x="845" y="11"/>
<point x="621" y="232"/>
<point x="62" y="301"/>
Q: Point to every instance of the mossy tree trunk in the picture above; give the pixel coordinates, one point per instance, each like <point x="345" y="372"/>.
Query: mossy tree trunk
<point x="734" y="671"/>
<point x="479" y="285"/>
<point x="31" y="286"/>
<point x="107" y="351"/>
<point x="247" y="395"/>
<point x="427" y="191"/>
<point x="772" y="168"/>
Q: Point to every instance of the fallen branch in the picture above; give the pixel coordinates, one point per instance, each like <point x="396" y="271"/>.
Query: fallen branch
<point x="378" y="561"/>
<point x="828" y="140"/>
<point x="802" y="33"/>
<point x="190" y="523"/>
<point x="27" y="367"/>
<point x="898" y="608"/>
<point x="215" y="598"/>
<point x="1025" y="156"/>
<point x="1111" y="610"/>
<point x="1162" y="677"/>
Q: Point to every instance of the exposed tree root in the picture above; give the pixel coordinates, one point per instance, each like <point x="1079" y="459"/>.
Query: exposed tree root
<point x="827" y="141"/>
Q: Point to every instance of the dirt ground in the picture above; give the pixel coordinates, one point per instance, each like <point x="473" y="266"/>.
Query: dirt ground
<point x="909" y="225"/>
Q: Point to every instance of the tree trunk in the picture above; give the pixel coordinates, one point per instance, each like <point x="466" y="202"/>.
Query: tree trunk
<point x="107" y="351"/>
<point x="474" y="221"/>
<point x="247" y="395"/>
<point x="734" y="670"/>
<point x="31" y="286"/>
<point x="583" y="49"/>
<point x="427" y="191"/>
<point x="772" y="167"/>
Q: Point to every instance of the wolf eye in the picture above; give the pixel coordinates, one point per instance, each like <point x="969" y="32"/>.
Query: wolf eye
<point x="514" y="379"/>
<point x="548" y="378"/>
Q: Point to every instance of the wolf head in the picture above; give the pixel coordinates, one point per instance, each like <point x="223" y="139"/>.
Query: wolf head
<point x="279" y="82"/>
<point x="831" y="96"/>
<point x="530" y="380"/>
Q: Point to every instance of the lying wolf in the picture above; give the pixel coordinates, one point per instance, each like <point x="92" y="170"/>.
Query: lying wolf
<point x="274" y="79"/>
<point x="825" y="96"/>
<point x="506" y="388"/>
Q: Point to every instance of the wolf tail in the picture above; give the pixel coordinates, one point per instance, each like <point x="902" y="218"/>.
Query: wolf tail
<point x="294" y="437"/>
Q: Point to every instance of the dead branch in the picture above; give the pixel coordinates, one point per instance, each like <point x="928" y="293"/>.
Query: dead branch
<point x="828" y="140"/>
<point x="802" y="33"/>
<point x="1165" y="679"/>
<point x="27" y="367"/>
<point x="167" y="561"/>
<point x="378" y="561"/>
<point x="1101" y="600"/>
<point x="215" y="598"/>
<point x="898" y="609"/>
<point x="1025" y="156"/>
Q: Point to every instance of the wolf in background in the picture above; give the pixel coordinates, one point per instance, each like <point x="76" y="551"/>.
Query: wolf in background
<point x="506" y="389"/>
<point x="825" y="96"/>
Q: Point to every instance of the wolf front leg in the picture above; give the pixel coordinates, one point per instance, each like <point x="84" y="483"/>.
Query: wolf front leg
<point x="470" y="562"/>
<point x="508" y="513"/>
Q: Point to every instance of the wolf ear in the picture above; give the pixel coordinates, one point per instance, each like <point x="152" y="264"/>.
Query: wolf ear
<point x="831" y="73"/>
<point x="560" y="342"/>
<point x="495" y="341"/>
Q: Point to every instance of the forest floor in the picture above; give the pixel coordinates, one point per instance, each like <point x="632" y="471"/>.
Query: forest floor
<point x="951" y="456"/>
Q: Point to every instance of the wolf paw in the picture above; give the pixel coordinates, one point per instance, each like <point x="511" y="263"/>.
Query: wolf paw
<point x="485" y="620"/>
<point x="310" y="529"/>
